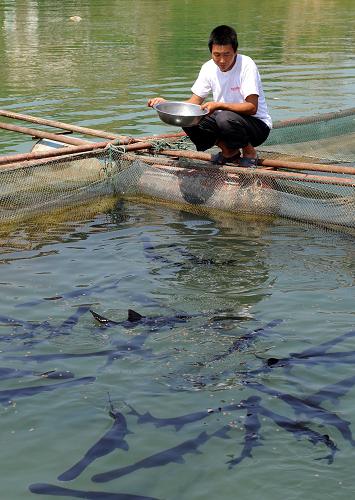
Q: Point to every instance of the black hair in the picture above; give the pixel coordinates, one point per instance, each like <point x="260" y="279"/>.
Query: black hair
<point x="223" y="35"/>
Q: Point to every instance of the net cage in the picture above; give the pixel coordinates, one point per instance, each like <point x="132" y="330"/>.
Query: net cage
<point x="326" y="198"/>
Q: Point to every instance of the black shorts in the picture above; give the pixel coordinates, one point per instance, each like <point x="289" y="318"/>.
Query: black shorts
<point x="234" y="129"/>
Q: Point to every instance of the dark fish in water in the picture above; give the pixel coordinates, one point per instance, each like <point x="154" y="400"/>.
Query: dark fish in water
<point x="50" y="489"/>
<point x="121" y="349"/>
<point x="82" y="292"/>
<point x="314" y="355"/>
<point x="320" y="349"/>
<point x="182" y="420"/>
<point x="66" y="327"/>
<point x="299" y="430"/>
<point x="41" y="358"/>
<point x="113" y="439"/>
<point x="7" y="373"/>
<point x="331" y="392"/>
<point x="11" y="394"/>
<point x="26" y="330"/>
<point x="56" y="374"/>
<point x="154" y="322"/>
<point x="244" y="341"/>
<point x="313" y="411"/>
<point x="252" y="428"/>
<point x="171" y="455"/>
<point x="231" y="317"/>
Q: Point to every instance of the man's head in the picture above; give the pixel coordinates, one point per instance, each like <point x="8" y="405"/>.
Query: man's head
<point x="223" y="35"/>
<point x="223" y="44"/>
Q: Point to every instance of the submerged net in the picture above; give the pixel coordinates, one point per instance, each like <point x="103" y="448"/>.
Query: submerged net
<point x="32" y="188"/>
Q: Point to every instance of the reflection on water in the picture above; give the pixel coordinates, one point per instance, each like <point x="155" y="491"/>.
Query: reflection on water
<point x="238" y="372"/>
<point x="100" y="72"/>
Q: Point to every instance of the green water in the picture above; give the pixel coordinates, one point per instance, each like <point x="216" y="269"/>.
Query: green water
<point x="232" y="277"/>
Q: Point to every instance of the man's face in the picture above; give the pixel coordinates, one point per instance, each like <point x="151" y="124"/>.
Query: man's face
<point x="224" y="56"/>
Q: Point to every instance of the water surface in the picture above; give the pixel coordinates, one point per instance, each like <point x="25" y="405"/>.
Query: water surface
<point x="226" y="293"/>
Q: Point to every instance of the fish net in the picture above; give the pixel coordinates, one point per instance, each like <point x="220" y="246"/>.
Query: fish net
<point x="326" y="137"/>
<point x="326" y="199"/>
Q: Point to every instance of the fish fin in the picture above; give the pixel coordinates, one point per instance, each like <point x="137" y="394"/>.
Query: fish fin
<point x="124" y="445"/>
<point x="178" y="460"/>
<point x="133" y="316"/>
<point x="101" y="319"/>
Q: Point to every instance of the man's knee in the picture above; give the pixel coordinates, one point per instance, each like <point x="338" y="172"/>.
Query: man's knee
<point x="228" y="120"/>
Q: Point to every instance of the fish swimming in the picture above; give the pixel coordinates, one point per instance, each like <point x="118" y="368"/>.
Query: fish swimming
<point x="8" y="373"/>
<point x="134" y="318"/>
<point x="113" y="439"/>
<point x="331" y="392"/>
<point x="83" y="292"/>
<point x="252" y="427"/>
<point x="171" y="455"/>
<point x="299" y="429"/>
<point x="244" y="341"/>
<point x="32" y="330"/>
<point x="313" y="411"/>
<point x="13" y="394"/>
<point x="180" y="421"/>
<point x="50" y="489"/>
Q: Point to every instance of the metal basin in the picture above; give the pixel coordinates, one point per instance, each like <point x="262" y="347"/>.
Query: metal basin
<point x="180" y="114"/>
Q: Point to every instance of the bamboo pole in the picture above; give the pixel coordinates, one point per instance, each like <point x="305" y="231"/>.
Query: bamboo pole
<point x="83" y="130"/>
<point x="43" y="135"/>
<point x="57" y="124"/>
<point x="292" y="165"/>
<point x="262" y="172"/>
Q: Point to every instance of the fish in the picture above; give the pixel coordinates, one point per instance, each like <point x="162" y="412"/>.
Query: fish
<point x="42" y="358"/>
<point x="331" y="392"/>
<point x="320" y="349"/>
<point x="171" y="455"/>
<point x="57" y="374"/>
<point x="30" y="330"/>
<point x="180" y="421"/>
<point x="134" y="318"/>
<point x="313" y="411"/>
<point x="114" y="438"/>
<point x="50" y="489"/>
<point x="299" y="429"/>
<point x="242" y="342"/>
<point x="82" y="292"/>
<point x="8" y="373"/>
<point x="66" y="327"/>
<point x="252" y="432"/>
<point x="12" y="394"/>
<point x="314" y="355"/>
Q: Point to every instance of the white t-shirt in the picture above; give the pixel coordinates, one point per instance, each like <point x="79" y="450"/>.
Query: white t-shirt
<point x="233" y="85"/>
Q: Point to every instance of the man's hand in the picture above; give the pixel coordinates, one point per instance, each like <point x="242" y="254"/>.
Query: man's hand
<point x="211" y="106"/>
<point x="155" y="100"/>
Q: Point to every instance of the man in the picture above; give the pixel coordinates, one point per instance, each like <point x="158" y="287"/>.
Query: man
<point x="238" y="117"/>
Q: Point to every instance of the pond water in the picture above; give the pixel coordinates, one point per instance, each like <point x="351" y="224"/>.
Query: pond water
<point x="238" y="381"/>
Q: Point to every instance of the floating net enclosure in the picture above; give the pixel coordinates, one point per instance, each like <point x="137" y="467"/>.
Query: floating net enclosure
<point x="321" y="193"/>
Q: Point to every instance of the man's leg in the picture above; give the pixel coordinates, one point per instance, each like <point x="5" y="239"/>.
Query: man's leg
<point x="240" y="132"/>
<point x="205" y="134"/>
